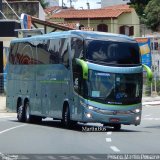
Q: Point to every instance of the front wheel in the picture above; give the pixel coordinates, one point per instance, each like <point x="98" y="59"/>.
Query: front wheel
<point x="117" y="127"/>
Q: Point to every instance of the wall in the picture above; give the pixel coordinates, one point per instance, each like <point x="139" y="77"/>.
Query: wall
<point x="29" y="7"/>
<point x="130" y="19"/>
<point x="105" y="3"/>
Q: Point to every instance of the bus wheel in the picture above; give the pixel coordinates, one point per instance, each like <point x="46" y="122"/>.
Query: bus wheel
<point x="117" y="127"/>
<point x="27" y="114"/>
<point x="21" y="113"/>
<point x="66" y="117"/>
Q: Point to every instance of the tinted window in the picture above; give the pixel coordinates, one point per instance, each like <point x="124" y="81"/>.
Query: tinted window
<point x="77" y="48"/>
<point x="114" y="88"/>
<point x="113" y="52"/>
<point x="43" y="54"/>
<point x="40" y="52"/>
<point x="23" y="53"/>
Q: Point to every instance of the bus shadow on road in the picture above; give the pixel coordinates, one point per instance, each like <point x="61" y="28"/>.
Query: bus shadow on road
<point x="80" y="127"/>
<point x="155" y="127"/>
<point x="86" y="127"/>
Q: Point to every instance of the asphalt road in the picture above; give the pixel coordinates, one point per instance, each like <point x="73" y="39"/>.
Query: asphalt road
<point x="51" y="138"/>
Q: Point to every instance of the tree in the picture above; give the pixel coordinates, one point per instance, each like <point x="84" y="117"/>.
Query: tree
<point x="152" y="15"/>
<point x="43" y="3"/>
<point x="139" y="6"/>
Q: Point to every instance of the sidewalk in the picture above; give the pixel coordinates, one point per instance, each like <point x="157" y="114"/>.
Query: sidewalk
<point x="151" y="100"/>
<point x="145" y="101"/>
<point x="2" y="103"/>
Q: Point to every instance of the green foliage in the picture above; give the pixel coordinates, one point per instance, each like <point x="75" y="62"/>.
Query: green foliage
<point x="139" y="6"/>
<point x="152" y="15"/>
<point x="43" y="3"/>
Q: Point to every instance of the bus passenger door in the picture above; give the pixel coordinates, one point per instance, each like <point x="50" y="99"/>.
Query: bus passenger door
<point x="78" y="92"/>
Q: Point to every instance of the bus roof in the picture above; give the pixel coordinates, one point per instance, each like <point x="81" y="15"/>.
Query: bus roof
<point x="77" y="33"/>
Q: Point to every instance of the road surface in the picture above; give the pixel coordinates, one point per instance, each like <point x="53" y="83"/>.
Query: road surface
<point x="51" y="138"/>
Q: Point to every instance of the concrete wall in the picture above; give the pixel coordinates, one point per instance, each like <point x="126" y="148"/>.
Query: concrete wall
<point x="130" y="19"/>
<point x="105" y="3"/>
<point x="29" y="7"/>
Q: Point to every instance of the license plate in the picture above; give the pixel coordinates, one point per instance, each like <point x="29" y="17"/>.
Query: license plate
<point x="114" y="119"/>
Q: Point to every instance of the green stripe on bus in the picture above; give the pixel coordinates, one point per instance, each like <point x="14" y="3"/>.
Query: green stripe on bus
<point x="113" y="105"/>
<point x="53" y="81"/>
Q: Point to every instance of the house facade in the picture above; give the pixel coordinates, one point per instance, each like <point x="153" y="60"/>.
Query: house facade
<point x="115" y="19"/>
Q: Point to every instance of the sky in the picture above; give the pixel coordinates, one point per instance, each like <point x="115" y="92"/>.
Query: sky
<point x="81" y="4"/>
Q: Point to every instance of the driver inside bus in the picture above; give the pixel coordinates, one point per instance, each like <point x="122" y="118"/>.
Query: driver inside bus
<point x="99" y="53"/>
<point x="121" y="92"/>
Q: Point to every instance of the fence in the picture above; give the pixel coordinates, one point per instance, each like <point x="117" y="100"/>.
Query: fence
<point x="153" y="88"/>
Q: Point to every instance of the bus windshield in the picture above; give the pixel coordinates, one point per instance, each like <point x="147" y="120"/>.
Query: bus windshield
<point x="113" y="52"/>
<point x="113" y="88"/>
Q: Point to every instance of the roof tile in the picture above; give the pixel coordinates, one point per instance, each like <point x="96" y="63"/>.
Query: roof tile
<point x="107" y="12"/>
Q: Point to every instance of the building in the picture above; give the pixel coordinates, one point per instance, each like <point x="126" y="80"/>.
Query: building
<point x="32" y="8"/>
<point x="115" y="19"/>
<point x="52" y="2"/>
<point x="105" y="3"/>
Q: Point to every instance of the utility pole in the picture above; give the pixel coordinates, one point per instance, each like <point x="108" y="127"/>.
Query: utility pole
<point x="62" y="4"/>
<point x="88" y="5"/>
<point x="70" y="3"/>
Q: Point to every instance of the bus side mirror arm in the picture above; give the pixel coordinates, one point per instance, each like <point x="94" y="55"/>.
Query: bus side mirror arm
<point x="84" y="67"/>
<point x="149" y="72"/>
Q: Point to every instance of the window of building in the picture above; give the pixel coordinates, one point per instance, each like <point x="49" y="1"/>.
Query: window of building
<point x="102" y="28"/>
<point x="129" y="31"/>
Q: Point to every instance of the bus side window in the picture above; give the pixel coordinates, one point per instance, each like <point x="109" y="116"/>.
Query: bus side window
<point x="63" y="50"/>
<point x="53" y="48"/>
<point x="12" y="53"/>
<point x="76" y="47"/>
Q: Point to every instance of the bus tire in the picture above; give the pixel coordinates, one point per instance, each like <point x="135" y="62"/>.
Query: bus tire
<point x="27" y="112"/>
<point x="21" y="113"/>
<point x="66" y="117"/>
<point x="117" y="127"/>
<point x="30" y="118"/>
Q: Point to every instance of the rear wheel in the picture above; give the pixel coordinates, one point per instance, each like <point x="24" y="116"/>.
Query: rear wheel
<point x="27" y="112"/>
<point x="21" y="113"/>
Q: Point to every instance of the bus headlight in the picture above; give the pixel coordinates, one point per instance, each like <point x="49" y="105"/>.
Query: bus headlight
<point x="91" y="107"/>
<point x="137" y="110"/>
<point x="137" y="118"/>
<point x="88" y="115"/>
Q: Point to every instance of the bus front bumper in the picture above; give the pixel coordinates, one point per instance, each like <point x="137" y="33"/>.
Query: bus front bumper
<point x="112" y="117"/>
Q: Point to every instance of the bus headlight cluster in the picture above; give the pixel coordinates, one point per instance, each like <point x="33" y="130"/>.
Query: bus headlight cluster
<point x="136" y="110"/>
<point x="91" y="107"/>
<point x="88" y="115"/>
<point x="137" y="118"/>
